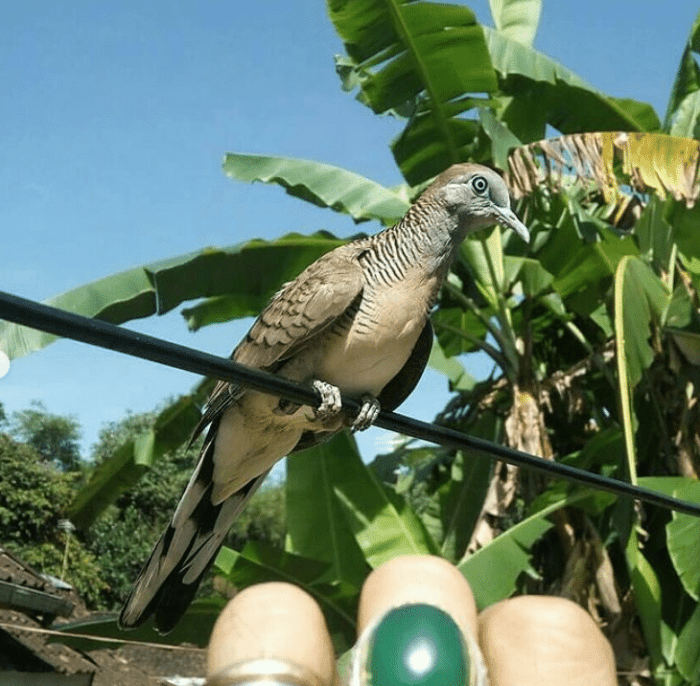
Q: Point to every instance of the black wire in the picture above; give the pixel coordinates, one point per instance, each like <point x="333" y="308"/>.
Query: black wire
<point x="105" y="335"/>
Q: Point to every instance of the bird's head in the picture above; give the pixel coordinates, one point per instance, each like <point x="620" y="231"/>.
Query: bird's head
<point x="477" y="195"/>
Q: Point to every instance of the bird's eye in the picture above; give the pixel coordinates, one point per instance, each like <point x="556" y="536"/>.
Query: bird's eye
<point x="480" y="184"/>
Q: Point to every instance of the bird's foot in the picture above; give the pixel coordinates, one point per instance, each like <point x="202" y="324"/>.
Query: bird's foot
<point x="330" y="400"/>
<point x="367" y="415"/>
<point x="331" y="405"/>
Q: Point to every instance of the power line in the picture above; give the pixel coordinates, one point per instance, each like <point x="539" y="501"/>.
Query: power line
<point x="106" y="335"/>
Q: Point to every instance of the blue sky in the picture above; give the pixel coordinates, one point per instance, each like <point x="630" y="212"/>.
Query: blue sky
<point x="115" y="117"/>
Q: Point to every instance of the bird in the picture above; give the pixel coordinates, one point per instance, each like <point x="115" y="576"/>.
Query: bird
<point x="355" y="322"/>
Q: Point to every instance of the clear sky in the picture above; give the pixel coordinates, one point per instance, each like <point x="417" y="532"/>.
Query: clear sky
<point x="115" y="115"/>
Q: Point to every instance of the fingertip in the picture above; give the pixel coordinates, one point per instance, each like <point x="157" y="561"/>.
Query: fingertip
<point x="277" y="622"/>
<point x="422" y="579"/>
<point x="544" y="641"/>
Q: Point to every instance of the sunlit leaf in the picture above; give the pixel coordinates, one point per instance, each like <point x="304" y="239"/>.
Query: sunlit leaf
<point x="647" y="598"/>
<point x="642" y="113"/>
<point x="533" y="276"/>
<point x="566" y="101"/>
<point x="687" y="653"/>
<point x="588" y="267"/>
<point x="460" y="379"/>
<point x="316" y="524"/>
<point x="485" y="260"/>
<point x="461" y="500"/>
<point x="517" y="19"/>
<point x="417" y="47"/>
<point x="423" y="59"/>
<point x="654" y="233"/>
<point x="382" y="521"/>
<point x="641" y="298"/>
<point x="321" y="184"/>
<point x="502" y="139"/>
<point x="686" y="121"/>
<point x="458" y="331"/>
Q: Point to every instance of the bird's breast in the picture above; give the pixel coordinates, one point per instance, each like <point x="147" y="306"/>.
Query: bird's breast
<point x="368" y="348"/>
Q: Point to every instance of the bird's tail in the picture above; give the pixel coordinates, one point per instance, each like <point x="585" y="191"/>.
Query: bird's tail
<point x="170" y="578"/>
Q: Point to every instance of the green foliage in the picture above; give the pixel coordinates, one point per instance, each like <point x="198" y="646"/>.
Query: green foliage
<point x="124" y="536"/>
<point x="417" y="60"/>
<point x="162" y="484"/>
<point x="78" y="566"/>
<point x="33" y="498"/>
<point x="144" y="440"/>
<point x="493" y="571"/>
<point x="263" y="518"/>
<point x="517" y="19"/>
<point x="545" y="92"/>
<point x="365" y="523"/>
<point x="33" y="494"/>
<point x="102" y="560"/>
<point x="682" y="113"/>
<point x="55" y="437"/>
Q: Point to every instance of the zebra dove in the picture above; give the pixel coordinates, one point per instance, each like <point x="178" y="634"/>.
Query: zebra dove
<point x="355" y="321"/>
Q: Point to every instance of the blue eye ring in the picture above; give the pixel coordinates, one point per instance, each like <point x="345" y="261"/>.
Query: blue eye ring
<point x="480" y="185"/>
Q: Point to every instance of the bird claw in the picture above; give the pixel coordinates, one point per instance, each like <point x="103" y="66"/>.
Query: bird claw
<point x="331" y="405"/>
<point x="367" y="415"/>
<point x="330" y="400"/>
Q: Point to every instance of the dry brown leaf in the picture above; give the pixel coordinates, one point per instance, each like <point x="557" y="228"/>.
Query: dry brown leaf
<point x="649" y="162"/>
<point x="499" y="497"/>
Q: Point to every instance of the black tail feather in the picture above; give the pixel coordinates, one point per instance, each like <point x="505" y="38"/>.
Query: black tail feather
<point x="184" y="553"/>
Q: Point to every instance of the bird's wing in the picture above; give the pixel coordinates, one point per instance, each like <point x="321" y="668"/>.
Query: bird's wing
<point x="299" y="311"/>
<point x="302" y="309"/>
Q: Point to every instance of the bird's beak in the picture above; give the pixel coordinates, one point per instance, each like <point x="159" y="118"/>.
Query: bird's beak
<point x="508" y="218"/>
